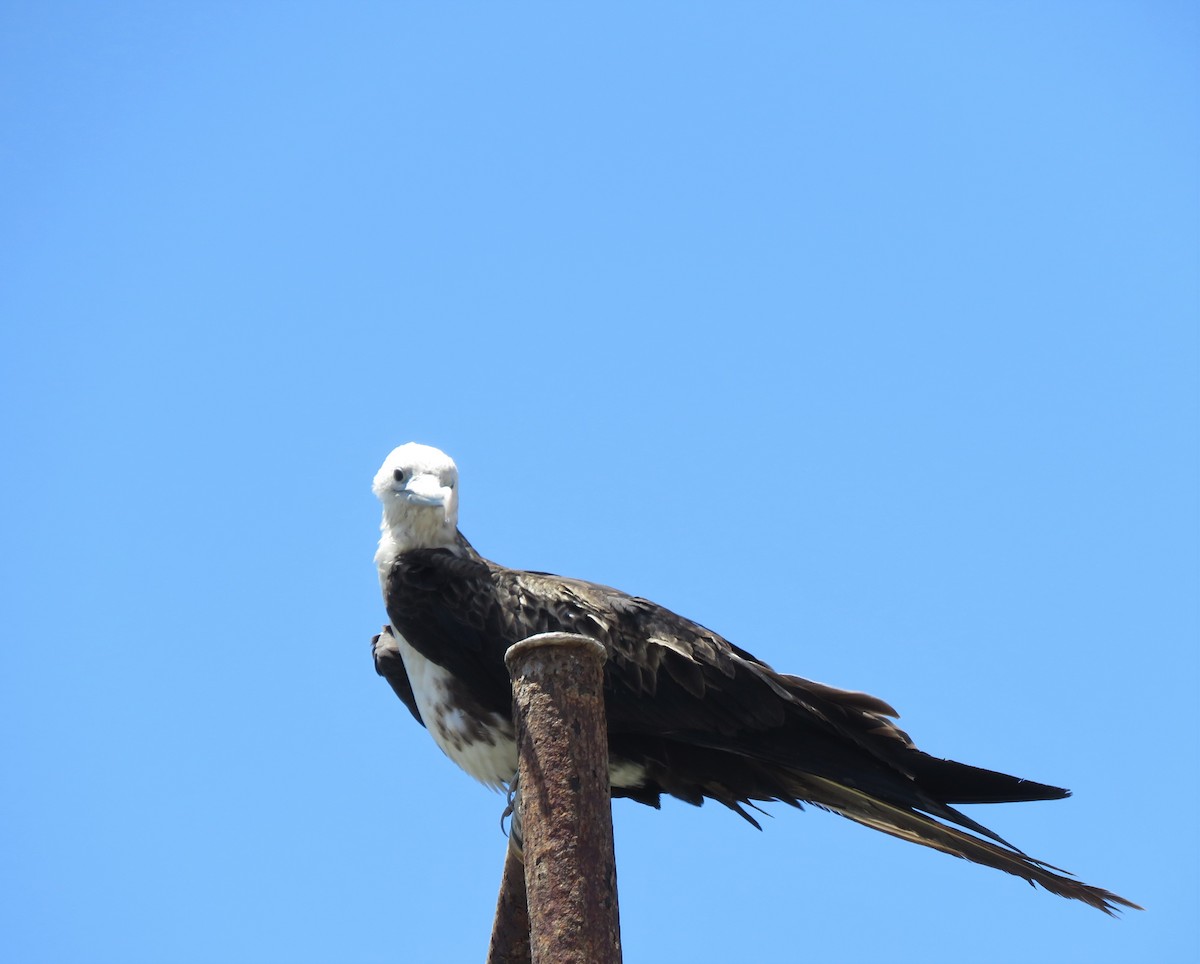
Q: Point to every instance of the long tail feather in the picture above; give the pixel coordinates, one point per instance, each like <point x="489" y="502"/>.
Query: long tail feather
<point x="921" y="829"/>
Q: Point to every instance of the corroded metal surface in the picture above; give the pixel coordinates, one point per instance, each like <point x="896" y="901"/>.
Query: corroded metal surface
<point x="570" y="870"/>
<point x="510" y="932"/>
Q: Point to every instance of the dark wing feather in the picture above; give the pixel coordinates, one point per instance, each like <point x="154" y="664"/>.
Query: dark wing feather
<point x="706" y="719"/>
<point x="669" y="677"/>
<point x="390" y="666"/>
<point x="444" y="605"/>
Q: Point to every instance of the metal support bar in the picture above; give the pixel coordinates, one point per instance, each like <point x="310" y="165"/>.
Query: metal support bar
<point x="570" y="869"/>
<point x="510" y="932"/>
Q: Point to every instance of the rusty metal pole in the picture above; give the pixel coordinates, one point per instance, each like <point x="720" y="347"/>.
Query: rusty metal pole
<point x="510" y="931"/>
<point x="570" y="869"/>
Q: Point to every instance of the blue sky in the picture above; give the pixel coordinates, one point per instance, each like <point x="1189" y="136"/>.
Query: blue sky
<point x="865" y="334"/>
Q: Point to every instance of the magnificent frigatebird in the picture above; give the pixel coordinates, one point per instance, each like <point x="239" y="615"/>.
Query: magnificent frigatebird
<point x="689" y="713"/>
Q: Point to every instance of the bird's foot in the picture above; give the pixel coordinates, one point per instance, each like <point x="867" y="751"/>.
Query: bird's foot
<point x="383" y="644"/>
<point x="513" y="810"/>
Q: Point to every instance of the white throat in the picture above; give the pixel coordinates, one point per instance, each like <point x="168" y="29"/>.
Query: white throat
<point x="407" y="527"/>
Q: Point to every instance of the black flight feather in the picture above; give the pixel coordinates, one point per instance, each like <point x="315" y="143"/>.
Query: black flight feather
<point x="701" y="718"/>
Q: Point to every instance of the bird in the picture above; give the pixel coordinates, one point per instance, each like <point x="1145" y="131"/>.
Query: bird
<point x="690" y="715"/>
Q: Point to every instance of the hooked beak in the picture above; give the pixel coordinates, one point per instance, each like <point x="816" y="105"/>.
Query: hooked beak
<point x="428" y="490"/>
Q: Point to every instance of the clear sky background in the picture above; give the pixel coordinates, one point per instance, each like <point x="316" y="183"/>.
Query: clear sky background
<point x="865" y="334"/>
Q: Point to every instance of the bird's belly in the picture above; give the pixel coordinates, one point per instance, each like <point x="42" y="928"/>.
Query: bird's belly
<point x="481" y="742"/>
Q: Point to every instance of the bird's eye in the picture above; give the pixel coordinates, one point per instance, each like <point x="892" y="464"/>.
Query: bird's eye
<point x="398" y="475"/>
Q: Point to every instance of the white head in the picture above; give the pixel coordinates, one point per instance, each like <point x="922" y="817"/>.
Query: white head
<point x="418" y="486"/>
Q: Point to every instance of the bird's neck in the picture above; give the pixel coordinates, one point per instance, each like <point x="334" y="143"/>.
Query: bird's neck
<point x="403" y="530"/>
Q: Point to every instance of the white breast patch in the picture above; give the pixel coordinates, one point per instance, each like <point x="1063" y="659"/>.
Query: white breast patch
<point x="482" y="744"/>
<point x="485" y="748"/>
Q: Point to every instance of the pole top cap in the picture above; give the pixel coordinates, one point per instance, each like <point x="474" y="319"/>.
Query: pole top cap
<point x="564" y="641"/>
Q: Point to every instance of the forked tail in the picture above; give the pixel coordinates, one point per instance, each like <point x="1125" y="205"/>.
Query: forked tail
<point x="921" y="829"/>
